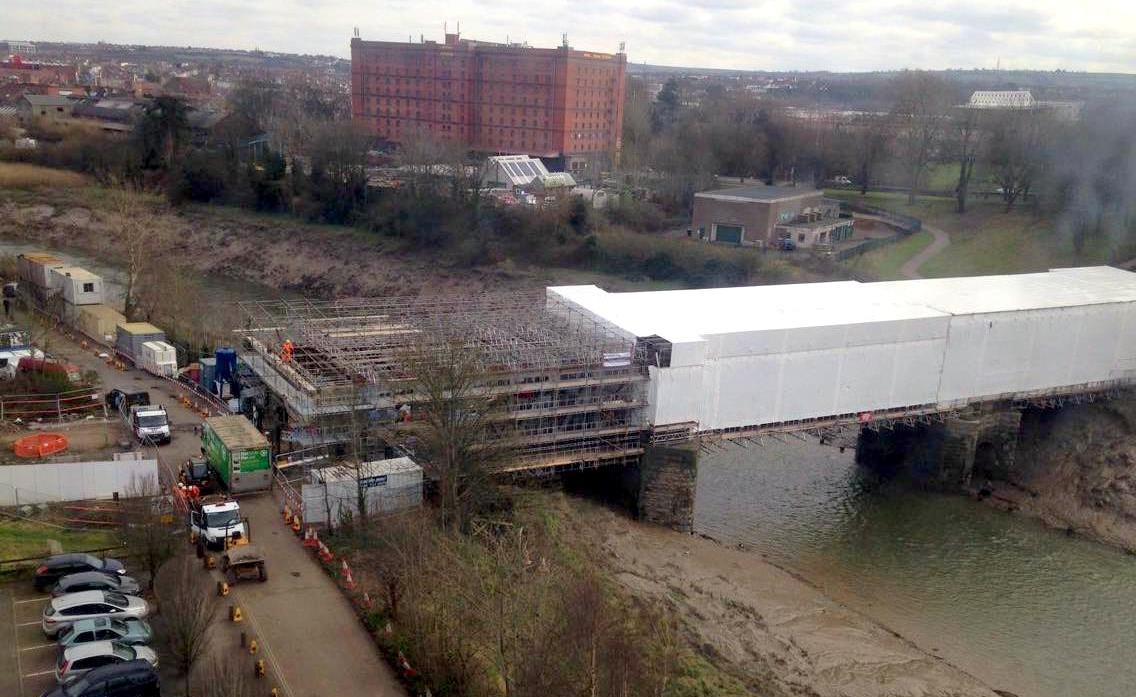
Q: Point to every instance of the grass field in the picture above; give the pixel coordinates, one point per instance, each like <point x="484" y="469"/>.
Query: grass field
<point x="18" y="175"/>
<point x="883" y="264"/>
<point x="984" y="240"/>
<point x="20" y="539"/>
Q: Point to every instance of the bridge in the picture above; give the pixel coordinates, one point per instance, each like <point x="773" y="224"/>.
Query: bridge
<point x="932" y="372"/>
<point x="937" y="355"/>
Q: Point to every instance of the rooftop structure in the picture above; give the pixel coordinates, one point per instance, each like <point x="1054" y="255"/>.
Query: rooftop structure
<point x="765" y="194"/>
<point x="1001" y="99"/>
<point x="752" y="215"/>
<point x="511" y="171"/>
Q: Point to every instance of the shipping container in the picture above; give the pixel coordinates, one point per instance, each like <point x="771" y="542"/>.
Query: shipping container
<point x="77" y="286"/>
<point x="332" y="493"/>
<point x="131" y="335"/>
<point x="159" y="358"/>
<point x="98" y="322"/>
<point x="237" y="452"/>
<point x="35" y="268"/>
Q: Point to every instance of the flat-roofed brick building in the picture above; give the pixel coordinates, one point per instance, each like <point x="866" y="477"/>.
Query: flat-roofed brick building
<point x="559" y="104"/>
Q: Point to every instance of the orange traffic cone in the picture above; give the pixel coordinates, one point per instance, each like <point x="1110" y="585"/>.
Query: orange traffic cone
<point x="310" y="539"/>
<point x="348" y="581"/>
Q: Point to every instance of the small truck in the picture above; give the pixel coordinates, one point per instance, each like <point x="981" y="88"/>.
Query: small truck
<point x="150" y="424"/>
<point x="214" y="521"/>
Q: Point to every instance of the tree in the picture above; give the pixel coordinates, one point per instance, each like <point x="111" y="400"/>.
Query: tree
<point x="919" y="114"/>
<point x="968" y="143"/>
<point x="226" y="675"/>
<point x="142" y="237"/>
<point x="188" y="607"/>
<point x="1017" y="152"/>
<point x="668" y="102"/>
<point x="143" y="526"/>
<point x="869" y="141"/>
<point x="163" y="132"/>
<point x="459" y="428"/>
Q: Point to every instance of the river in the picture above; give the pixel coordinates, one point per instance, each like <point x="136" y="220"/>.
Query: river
<point x="1020" y="606"/>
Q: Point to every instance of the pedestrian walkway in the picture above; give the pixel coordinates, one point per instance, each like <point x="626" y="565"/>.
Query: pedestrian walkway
<point x="910" y="268"/>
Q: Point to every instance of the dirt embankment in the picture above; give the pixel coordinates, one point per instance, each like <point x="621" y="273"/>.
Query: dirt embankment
<point x="1076" y="469"/>
<point x="322" y="261"/>
<point x="770" y="630"/>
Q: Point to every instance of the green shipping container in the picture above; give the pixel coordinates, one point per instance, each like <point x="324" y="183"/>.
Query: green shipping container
<point x="238" y="452"/>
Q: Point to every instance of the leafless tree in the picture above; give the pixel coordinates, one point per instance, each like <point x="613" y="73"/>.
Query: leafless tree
<point x="224" y="675"/>
<point x="920" y="116"/>
<point x="188" y="609"/>
<point x="1017" y="151"/>
<point x="969" y="141"/>
<point x="147" y="528"/>
<point x="458" y="428"/>
<point x="869" y="142"/>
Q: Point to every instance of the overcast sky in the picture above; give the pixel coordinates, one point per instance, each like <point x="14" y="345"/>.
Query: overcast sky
<point x="1092" y="35"/>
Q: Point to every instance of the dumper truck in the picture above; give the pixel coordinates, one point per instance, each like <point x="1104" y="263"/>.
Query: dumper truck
<point x="237" y="452"/>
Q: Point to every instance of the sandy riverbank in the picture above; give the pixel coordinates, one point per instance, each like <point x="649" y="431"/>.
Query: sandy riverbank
<point x="769" y="628"/>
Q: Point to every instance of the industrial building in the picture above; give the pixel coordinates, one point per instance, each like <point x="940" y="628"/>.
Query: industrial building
<point x="559" y="104"/>
<point x="761" y="216"/>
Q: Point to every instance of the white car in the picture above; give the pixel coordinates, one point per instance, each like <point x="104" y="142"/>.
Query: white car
<point x="65" y="609"/>
<point x="76" y="660"/>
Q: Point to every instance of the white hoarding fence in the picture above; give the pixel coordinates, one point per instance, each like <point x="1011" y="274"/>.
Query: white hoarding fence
<point x="49" y="482"/>
<point x="332" y="494"/>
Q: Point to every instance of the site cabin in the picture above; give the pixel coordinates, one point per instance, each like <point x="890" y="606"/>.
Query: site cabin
<point x="77" y="286"/>
<point x="237" y="452"/>
<point x="158" y="358"/>
<point x="36" y="268"/>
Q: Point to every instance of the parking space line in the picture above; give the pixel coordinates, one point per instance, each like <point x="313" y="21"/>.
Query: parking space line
<point x="39" y="646"/>
<point x="42" y="672"/>
<point x="26" y="624"/>
<point x="16" y="635"/>
<point x="31" y="600"/>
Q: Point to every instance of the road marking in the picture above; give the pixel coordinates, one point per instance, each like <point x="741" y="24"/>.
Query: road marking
<point x="42" y="672"/>
<point x="27" y="624"/>
<point x="268" y="653"/>
<point x="39" y="646"/>
<point x="31" y="600"/>
<point x="16" y="635"/>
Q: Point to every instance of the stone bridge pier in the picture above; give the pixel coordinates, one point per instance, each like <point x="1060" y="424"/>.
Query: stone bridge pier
<point x="977" y="445"/>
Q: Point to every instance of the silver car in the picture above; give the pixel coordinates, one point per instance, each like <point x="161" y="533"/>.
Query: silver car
<point x="76" y="660"/>
<point x="65" y="609"/>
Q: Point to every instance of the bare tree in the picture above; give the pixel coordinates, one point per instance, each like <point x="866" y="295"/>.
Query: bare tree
<point x="919" y="114"/>
<point x="138" y="236"/>
<point x="1017" y="152"/>
<point x="458" y="427"/>
<point x="970" y="138"/>
<point x="226" y="676"/>
<point x="188" y="608"/>
<point x="147" y="530"/>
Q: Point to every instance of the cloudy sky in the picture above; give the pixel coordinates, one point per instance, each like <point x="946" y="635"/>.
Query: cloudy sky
<point x="1092" y="35"/>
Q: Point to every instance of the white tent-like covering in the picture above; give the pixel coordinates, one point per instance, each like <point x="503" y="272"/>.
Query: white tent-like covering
<point x="761" y="355"/>
<point x="511" y="171"/>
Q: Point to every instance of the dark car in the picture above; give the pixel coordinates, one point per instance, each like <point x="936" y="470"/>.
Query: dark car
<point x="60" y="565"/>
<point x="121" y="400"/>
<point x="196" y="472"/>
<point x="96" y="581"/>
<point x="129" y="679"/>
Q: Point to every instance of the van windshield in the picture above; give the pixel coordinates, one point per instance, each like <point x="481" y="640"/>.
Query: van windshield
<point x="152" y="420"/>
<point x="222" y="519"/>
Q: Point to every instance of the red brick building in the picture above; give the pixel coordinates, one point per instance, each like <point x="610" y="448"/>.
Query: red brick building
<point x="559" y="104"/>
<point x="33" y="73"/>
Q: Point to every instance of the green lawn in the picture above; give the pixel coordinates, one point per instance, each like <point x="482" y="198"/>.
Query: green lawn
<point x="984" y="240"/>
<point x="883" y="264"/>
<point x="20" y="539"/>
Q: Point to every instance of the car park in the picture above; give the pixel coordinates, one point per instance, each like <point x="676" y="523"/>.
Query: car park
<point x="56" y="567"/>
<point x="127" y="631"/>
<point x="96" y="581"/>
<point x="78" y="660"/>
<point x="131" y="679"/>
<point x="61" y="612"/>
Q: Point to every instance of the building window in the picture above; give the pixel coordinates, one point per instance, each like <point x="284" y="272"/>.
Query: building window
<point x="88" y="287"/>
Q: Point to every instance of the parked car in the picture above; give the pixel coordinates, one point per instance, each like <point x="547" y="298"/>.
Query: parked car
<point x="61" y="612"/>
<point x="60" y="565"/>
<point x="131" y="679"/>
<point x="77" y="660"/>
<point x="96" y="581"/>
<point x="121" y="400"/>
<point x="127" y="631"/>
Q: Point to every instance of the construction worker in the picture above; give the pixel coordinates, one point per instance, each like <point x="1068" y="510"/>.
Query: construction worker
<point x="286" y="351"/>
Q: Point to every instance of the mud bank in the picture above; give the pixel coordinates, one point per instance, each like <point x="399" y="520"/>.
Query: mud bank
<point x="768" y="628"/>
<point x="1076" y="470"/>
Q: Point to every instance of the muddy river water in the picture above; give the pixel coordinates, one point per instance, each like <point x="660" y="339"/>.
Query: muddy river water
<point x="1025" y="608"/>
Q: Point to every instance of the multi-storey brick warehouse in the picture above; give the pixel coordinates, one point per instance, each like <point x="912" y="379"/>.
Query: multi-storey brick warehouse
<point x="555" y="103"/>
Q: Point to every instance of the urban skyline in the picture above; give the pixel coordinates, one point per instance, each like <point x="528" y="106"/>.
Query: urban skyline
<point x="807" y="35"/>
